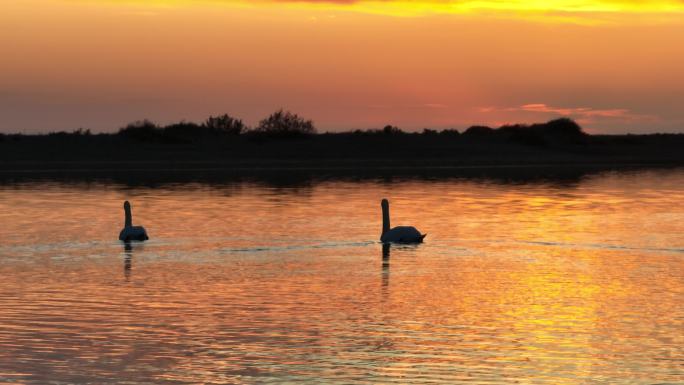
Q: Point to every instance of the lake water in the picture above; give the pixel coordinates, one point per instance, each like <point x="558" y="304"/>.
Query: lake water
<point x="547" y="282"/>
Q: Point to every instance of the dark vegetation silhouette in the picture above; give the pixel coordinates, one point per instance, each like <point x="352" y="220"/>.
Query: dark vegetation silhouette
<point x="183" y="132"/>
<point x="284" y="125"/>
<point x="286" y="140"/>
<point x="225" y="125"/>
<point x="279" y="125"/>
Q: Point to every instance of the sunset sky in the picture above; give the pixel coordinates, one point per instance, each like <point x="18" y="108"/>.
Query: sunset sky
<point x="615" y="66"/>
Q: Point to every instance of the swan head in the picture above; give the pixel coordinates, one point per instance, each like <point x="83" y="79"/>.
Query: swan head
<point x="384" y="203"/>
<point x="127" y="206"/>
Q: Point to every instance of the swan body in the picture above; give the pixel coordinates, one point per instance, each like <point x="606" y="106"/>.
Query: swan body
<point x="130" y="232"/>
<point x="399" y="234"/>
<point x="403" y="234"/>
<point x="133" y="233"/>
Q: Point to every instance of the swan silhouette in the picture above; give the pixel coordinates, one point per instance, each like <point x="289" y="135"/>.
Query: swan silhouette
<point x="130" y="232"/>
<point x="399" y="234"/>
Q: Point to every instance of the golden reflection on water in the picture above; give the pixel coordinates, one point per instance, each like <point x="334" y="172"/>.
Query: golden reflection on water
<point x="540" y="283"/>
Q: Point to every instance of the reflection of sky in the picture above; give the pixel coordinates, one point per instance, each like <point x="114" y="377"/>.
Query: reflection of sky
<point x="541" y="283"/>
<point x="612" y="65"/>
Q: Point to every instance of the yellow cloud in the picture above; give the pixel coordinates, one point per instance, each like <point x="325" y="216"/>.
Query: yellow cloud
<point x="540" y="10"/>
<point x="415" y="8"/>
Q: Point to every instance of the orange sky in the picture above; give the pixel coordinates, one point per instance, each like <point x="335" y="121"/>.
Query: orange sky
<point x="615" y="66"/>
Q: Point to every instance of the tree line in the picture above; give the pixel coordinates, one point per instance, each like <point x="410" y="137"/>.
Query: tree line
<point x="287" y="125"/>
<point x="280" y="124"/>
<point x="284" y="124"/>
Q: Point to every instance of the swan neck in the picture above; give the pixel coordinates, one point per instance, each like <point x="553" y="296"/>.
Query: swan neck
<point x="385" y="218"/>
<point x="129" y="218"/>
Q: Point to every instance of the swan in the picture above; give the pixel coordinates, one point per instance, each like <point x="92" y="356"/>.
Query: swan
<point x="130" y="232"/>
<point x="399" y="234"/>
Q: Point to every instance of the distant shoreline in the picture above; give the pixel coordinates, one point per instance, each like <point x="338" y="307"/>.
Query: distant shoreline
<point x="218" y="174"/>
<point x="280" y="165"/>
<point x="210" y="151"/>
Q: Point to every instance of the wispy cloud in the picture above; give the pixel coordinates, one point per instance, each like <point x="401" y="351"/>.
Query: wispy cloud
<point x="584" y="115"/>
<point x="551" y="11"/>
<point x="573" y="11"/>
<point x="577" y="111"/>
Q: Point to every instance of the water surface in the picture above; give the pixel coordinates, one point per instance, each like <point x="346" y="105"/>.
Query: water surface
<point x="552" y="282"/>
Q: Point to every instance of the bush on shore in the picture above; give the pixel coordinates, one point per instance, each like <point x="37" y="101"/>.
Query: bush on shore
<point x="225" y="125"/>
<point x="284" y="125"/>
<point x="557" y="131"/>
